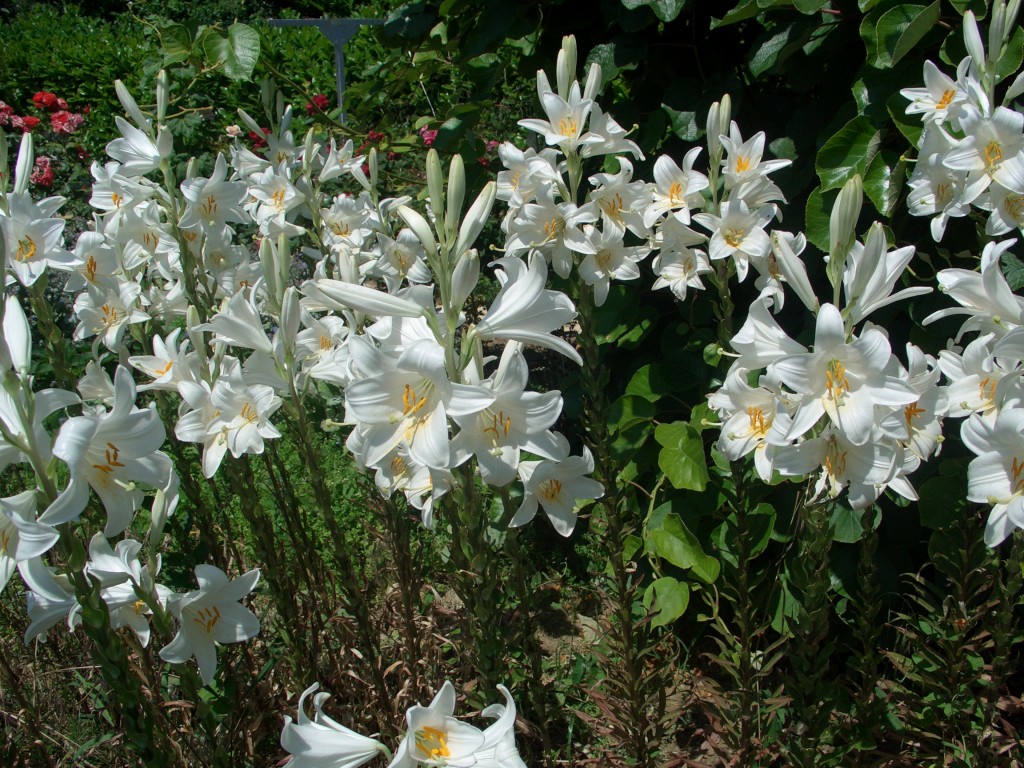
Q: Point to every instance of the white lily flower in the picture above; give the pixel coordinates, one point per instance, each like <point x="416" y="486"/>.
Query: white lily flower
<point x="113" y="452"/>
<point x="137" y="151"/>
<point x="322" y="742"/>
<point x="555" y="486"/>
<point x="209" y="615"/>
<point x="871" y="272"/>
<point x="436" y="738"/>
<point x="526" y="311"/>
<point x="676" y="190"/>
<point x="107" y="314"/>
<point x="996" y="475"/>
<point x="407" y="402"/>
<point x="843" y="380"/>
<point x="32" y="239"/>
<point x="21" y="535"/>
<point x="50" y="598"/>
<point x="739" y="233"/>
<point x="515" y="421"/>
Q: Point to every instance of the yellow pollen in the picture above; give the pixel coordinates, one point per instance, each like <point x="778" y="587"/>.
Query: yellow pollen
<point x="112" y="455"/>
<point x="734" y="237"/>
<point x="109" y="317"/>
<point x="947" y="98"/>
<point x="742" y="164"/>
<point x="1014" y="205"/>
<point x="500" y="425"/>
<point x="550" y="490"/>
<point x="433" y="742"/>
<point x="612" y="206"/>
<point x="190" y="236"/>
<point x="835" y="380"/>
<point x="773" y="266"/>
<point x="116" y="198"/>
<point x="210" y="206"/>
<point x="1018" y="481"/>
<point x="911" y="412"/>
<point x="835" y="460"/>
<point x="409" y="401"/>
<point x="139" y="606"/>
<point x="26" y="249"/>
<point x="943" y="193"/>
<point x="758" y="425"/>
<point x="207" y="618"/>
<point x="398" y="466"/>
<point x="150" y="240"/>
<point x="675" y="193"/>
<point x="165" y="369"/>
<point x="987" y="391"/>
<point x="278" y="198"/>
<point x="5" y="541"/>
<point x="993" y="155"/>
<point x="90" y="269"/>
<point x="326" y="343"/>
<point x="553" y="228"/>
<point x="249" y="413"/>
<point x="568" y="127"/>
<point x="340" y="228"/>
<point x="515" y="180"/>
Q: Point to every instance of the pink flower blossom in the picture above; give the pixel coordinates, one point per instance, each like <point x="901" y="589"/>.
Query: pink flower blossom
<point x="42" y="173"/>
<point x="428" y="136"/>
<point x="63" y="121"/>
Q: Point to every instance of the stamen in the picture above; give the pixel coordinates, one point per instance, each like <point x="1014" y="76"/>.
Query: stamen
<point x="207" y="618"/>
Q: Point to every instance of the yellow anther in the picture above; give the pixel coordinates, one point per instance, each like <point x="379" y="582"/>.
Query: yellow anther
<point x="947" y="98"/>
<point x="758" y="424"/>
<point x="987" y="391"/>
<point x="835" y="380"/>
<point x="911" y="412"/>
<point x="675" y="193"/>
<point x="26" y="249"/>
<point x="550" y="490"/>
<point x="432" y="742"/>
<point x="742" y="164"/>
<point x="410" y="402"/>
<point x="993" y="154"/>
<point x="210" y="206"/>
<point x="207" y="618"/>
<point x="249" y="413"/>
<point x="734" y="237"/>
<point x="553" y="228"/>
<point x="568" y="127"/>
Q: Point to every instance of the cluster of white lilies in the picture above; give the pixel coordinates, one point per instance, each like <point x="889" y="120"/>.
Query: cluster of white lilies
<point x="166" y="286"/>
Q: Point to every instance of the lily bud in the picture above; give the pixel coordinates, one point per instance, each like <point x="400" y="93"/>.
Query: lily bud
<point x="362" y="299"/>
<point x="268" y="260"/>
<point x="165" y="501"/>
<point x="163" y="87"/>
<point x="131" y="107"/>
<point x="456" y="196"/>
<point x="592" y="85"/>
<point x="3" y="163"/>
<point x="195" y="334"/>
<point x="290" y="317"/>
<point x="17" y="340"/>
<point x="792" y="267"/>
<point x="435" y="190"/>
<point x="372" y="164"/>
<point x="465" y="277"/>
<point x="996" y="29"/>
<point x="23" y="168"/>
<point x="420" y="228"/>
<point x="565" y="68"/>
<point x="972" y="39"/>
<point x="476" y="217"/>
<point x="842" y="224"/>
<point x="308" y="150"/>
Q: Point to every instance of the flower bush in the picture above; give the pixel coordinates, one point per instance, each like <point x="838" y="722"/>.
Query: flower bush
<point x="259" y="303"/>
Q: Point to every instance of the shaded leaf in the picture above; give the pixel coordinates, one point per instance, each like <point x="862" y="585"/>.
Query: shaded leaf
<point x="682" y="456"/>
<point x="884" y="180"/>
<point x="669" y="597"/>
<point x="674" y="542"/>
<point x="847" y="153"/>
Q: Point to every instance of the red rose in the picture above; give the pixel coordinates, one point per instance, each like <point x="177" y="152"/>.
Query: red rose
<point x="320" y="101"/>
<point x="47" y="101"/>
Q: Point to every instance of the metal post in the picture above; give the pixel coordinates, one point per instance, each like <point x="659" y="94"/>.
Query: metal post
<point x="339" y="32"/>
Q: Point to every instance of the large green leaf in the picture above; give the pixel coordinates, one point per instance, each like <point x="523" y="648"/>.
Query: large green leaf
<point x="890" y="32"/>
<point x="669" y="597"/>
<point x="683" y="123"/>
<point x="816" y="219"/>
<point x="674" y="542"/>
<point x="629" y="410"/>
<point x="176" y="43"/>
<point x="238" y="53"/>
<point x="847" y="153"/>
<point x="883" y="181"/>
<point x="1009" y="63"/>
<point x="682" y="456"/>
<point x="665" y="10"/>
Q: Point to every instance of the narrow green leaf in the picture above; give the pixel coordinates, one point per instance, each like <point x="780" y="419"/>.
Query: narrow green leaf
<point x="682" y="456"/>
<point x="847" y="153"/>
<point x="744" y="9"/>
<point x="809" y="6"/>
<point x="767" y="54"/>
